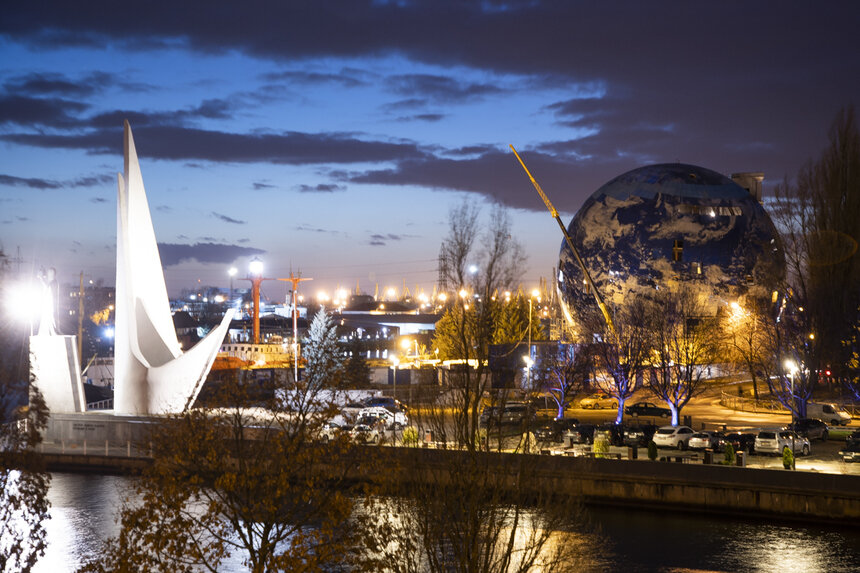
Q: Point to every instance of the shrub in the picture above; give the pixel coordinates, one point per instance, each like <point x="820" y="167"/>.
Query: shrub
<point x="652" y="450"/>
<point x="600" y="446"/>
<point x="729" y="458"/>
<point x="787" y="458"/>
<point x="410" y="436"/>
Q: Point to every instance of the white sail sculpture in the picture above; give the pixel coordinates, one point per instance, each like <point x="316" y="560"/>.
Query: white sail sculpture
<point x="151" y="373"/>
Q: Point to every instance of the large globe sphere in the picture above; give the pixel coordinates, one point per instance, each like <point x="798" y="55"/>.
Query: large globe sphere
<point x="661" y="225"/>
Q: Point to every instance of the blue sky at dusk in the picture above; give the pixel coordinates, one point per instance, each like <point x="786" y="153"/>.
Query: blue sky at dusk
<point x="333" y="137"/>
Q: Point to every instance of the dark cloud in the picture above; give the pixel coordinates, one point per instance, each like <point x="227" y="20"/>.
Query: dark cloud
<point x="30" y="111"/>
<point x="438" y="89"/>
<point x="347" y="78"/>
<point x="731" y="86"/>
<point x="321" y="188"/>
<point x="38" y="183"/>
<point x="181" y="143"/>
<point x="495" y="174"/>
<point x="428" y="117"/>
<point x="41" y="84"/>
<point x="98" y="200"/>
<point x="227" y="219"/>
<point x="208" y="109"/>
<point x="173" y="253"/>
<point x="259" y="186"/>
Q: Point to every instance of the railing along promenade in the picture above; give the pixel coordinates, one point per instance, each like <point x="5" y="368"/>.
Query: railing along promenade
<point x="770" y="406"/>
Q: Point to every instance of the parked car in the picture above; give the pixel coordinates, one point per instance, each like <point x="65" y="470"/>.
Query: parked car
<point x="673" y="437"/>
<point x="366" y="433"/>
<point x="351" y="410"/>
<point x="639" y="435"/>
<point x="647" y="409"/>
<point x="391" y="404"/>
<point x="331" y="430"/>
<point x="741" y="441"/>
<point x="773" y="441"/>
<point x="851" y="452"/>
<point x="554" y="430"/>
<point x="706" y="440"/>
<point x="830" y="413"/>
<point x="516" y="413"/>
<point x="853" y="438"/>
<point x="489" y="416"/>
<point x="581" y="434"/>
<point x="598" y="400"/>
<point x="811" y="428"/>
<point x="396" y="420"/>
<point x="545" y="406"/>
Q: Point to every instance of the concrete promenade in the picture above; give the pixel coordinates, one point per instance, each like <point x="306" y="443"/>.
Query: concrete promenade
<point x="710" y="489"/>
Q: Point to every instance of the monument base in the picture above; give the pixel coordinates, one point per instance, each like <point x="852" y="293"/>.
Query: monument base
<point x="98" y="428"/>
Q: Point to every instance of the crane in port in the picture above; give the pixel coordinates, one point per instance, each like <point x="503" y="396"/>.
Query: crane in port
<point x="554" y="212"/>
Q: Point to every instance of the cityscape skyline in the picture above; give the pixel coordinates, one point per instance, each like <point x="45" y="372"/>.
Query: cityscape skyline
<point x="332" y="140"/>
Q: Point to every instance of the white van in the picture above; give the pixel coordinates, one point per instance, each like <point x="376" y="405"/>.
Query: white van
<point x="830" y="414"/>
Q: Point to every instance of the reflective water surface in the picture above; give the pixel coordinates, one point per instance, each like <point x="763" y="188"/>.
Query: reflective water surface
<point x="83" y="511"/>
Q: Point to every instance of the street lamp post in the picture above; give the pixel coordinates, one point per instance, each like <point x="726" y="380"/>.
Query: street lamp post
<point x="529" y="360"/>
<point x="255" y="275"/>
<point x="232" y="272"/>
<point x="792" y="369"/>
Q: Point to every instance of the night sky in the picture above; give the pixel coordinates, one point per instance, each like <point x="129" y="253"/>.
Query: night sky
<point x="333" y="137"/>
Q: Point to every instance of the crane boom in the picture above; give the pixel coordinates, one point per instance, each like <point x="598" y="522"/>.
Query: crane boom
<point x="554" y="212"/>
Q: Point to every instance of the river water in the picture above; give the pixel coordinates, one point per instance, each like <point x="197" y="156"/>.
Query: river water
<point x="83" y="512"/>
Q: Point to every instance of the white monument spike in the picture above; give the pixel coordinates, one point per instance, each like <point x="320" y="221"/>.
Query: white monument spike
<point x="151" y="374"/>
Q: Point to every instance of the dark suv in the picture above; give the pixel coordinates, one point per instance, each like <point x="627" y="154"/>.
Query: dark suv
<point x="581" y="434"/>
<point x="639" y="435"/>
<point x="742" y="441"/>
<point x="613" y="432"/>
<point x="391" y="404"/>
<point x="810" y="428"/>
<point x="554" y="430"/>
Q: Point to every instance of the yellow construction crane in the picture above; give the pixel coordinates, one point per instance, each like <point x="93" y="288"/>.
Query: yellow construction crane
<point x="575" y="252"/>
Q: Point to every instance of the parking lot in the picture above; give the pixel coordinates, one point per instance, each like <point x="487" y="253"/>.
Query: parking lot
<point x="823" y="457"/>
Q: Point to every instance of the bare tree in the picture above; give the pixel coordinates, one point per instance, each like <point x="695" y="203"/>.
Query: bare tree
<point x="745" y="329"/>
<point x="622" y="352"/>
<point x="468" y="517"/>
<point x="564" y="373"/>
<point x="788" y="348"/>
<point x="817" y="214"/>
<point x="477" y="272"/>
<point x="684" y="344"/>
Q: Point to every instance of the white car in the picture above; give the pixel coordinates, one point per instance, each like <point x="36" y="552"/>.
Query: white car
<point x="704" y="439"/>
<point x="365" y="434"/>
<point x="331" y="429"/>
<point x="396" y="420"/>
<point x="598" y="400"/>
<point x="775" y="440"/>
<point x="673" y="437"/>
